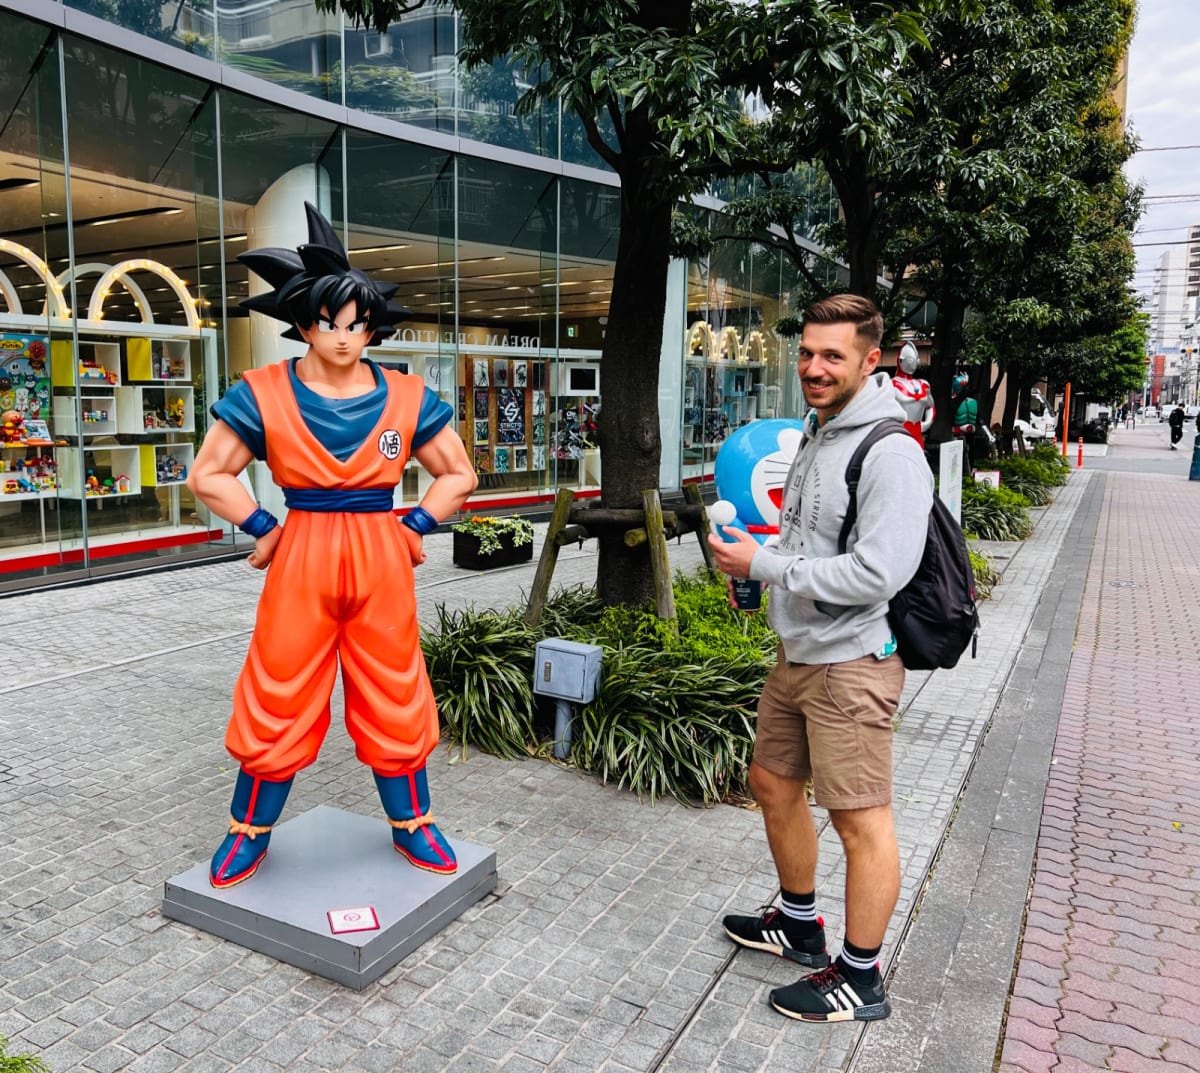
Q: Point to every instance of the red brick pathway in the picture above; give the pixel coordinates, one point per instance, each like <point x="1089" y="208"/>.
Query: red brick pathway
<point x="1109" y="972"/>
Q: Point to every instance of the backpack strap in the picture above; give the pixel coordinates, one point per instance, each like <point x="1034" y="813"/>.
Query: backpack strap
<point x="883" y="429"/>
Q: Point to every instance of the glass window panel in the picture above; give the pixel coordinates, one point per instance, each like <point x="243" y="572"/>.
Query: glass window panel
<point x="37" y="538"/>
<point x="132" y="383"/>
<point x="409" y="72"/>
<point x="488" y="110"/>
<point x="153" y="18"/>
<point x="287" y="42"/>
<point x="508" y="317"/>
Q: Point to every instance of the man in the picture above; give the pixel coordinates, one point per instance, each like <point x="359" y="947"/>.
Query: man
<point x="914" y="395"/>
<point x="826" y="709"/>
<point x="1176" y="420"/>
<point x="336" y="432"/>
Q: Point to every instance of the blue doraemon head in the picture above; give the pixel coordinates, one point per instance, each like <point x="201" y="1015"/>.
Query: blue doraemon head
<point x="751" y="469"/>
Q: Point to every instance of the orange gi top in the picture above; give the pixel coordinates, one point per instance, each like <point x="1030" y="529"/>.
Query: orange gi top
<point x="339" y="588"/>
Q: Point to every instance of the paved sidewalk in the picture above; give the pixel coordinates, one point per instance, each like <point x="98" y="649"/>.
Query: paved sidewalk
<point x="600" y="950"/>
<point x="1107" y="978"/>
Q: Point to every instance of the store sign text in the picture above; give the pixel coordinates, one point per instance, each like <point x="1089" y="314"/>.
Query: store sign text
<point x="429" y="335"/>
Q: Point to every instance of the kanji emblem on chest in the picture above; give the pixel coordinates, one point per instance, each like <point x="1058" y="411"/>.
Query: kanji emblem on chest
<point x="389" y="443"/>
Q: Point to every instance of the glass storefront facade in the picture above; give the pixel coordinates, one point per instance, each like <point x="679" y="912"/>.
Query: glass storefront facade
<point x="136" y="166"/>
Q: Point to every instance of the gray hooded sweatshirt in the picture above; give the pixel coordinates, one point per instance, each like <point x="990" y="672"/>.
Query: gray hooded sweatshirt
<point x="831" y="608"/>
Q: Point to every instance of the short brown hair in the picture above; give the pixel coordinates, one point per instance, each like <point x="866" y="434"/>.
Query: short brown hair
<point x="849" y="309"/>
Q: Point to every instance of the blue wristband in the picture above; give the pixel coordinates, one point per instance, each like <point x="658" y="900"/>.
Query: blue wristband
<point x="259" y="524"/>
<point x="419" y="520"/>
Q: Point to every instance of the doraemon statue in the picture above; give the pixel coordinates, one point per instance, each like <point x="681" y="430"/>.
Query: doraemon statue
<point x="750" y="471"/>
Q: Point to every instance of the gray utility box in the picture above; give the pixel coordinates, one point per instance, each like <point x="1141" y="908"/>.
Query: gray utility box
<point x="567" y="670"/>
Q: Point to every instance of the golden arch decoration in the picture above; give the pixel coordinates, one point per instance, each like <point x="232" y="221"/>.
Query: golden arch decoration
<point x="728" y="346"/>
<point x="98" y="268"/>
<point x="700" y="340"/>
<point x="119" y="272"/>
<point x="56" y="300"/>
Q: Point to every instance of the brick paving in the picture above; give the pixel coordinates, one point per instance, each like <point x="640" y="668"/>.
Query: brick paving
<point x="601" y="948"/>
<point x="1107" y="978"/>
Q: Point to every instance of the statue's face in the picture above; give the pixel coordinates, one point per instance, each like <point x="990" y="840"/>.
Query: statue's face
<point x="908" y="359"/>
<point x="338" y="338"/>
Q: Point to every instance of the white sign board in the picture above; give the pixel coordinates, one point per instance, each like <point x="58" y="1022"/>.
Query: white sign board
<point x="950" y="471"/>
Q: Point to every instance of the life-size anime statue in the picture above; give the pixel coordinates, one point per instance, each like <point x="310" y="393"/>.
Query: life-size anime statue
<point x="335" y="431"/>
<point x="914" y="395"/>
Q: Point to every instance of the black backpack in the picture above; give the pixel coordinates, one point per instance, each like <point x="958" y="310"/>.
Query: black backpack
<point x="934" y="616"/>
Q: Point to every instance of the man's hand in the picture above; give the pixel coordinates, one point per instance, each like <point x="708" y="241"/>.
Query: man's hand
<point x="734" y="559"/>
<point x="264" y="549"/>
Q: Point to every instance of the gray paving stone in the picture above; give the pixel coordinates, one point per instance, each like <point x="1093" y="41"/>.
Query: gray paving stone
<point x="601" y="944"/>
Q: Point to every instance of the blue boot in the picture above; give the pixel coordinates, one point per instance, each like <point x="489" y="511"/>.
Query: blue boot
<point x="256" y="806"/>
<point x="406" y="801"/>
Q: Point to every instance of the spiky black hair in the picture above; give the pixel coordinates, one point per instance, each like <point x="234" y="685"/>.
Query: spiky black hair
<point x="319" y="274"/>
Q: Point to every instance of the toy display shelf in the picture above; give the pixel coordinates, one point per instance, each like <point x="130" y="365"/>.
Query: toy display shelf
<point x="166" y="360"/>
<point x="111" y="461"/>
<point x="64" y="364"/>
<point x="151" y="457"/>
<point x="66" y="415"/>
<point x="16" y="497"/>
<point x="135" y="401"/>
<point x="14" y="474"/>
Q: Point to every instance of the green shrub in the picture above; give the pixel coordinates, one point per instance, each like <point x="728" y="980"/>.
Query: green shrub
<point x="986" y="575"/>
<point x="481" y="666"/>
<point x="660" y="725"/>
<point x="995" y="513"/>
<point x="1028" y="477"/>
<point x="1049" y="456"/>
<point x="672" y="714"/>
<point x="19" y="1063"/>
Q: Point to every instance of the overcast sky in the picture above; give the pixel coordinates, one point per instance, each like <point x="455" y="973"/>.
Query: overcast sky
<point x="1164" y="110"/>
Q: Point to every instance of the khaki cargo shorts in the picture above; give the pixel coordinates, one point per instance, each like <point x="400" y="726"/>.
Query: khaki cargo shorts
<point x="832" y="721"/>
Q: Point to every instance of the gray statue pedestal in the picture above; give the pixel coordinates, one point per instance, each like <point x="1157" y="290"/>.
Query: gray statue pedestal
<point x="324" y="860"/>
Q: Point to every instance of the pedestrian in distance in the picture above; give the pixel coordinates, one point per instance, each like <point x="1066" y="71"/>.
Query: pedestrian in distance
<point x="336" y="432"/>
<point x="826" y="709"/>
<point x="1176" y="420"/>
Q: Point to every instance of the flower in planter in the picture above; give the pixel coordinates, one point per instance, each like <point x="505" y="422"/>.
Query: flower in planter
<point x="491" y="531"/>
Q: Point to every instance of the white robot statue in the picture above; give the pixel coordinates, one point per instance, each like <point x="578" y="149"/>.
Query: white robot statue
<point x="913" y="394"/>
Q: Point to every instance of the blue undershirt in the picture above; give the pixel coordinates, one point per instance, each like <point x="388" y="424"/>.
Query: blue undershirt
<point x="340" y="425"/>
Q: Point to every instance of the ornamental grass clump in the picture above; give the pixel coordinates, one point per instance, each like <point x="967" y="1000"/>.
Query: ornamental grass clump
<point x="19" y="1063"/>
<point x="673" y="714"/>
<point x="1028" y="477"/>
<point x="1057" y="466"/>
<point x="995" y="513"/>
<point x="491" y="531"/>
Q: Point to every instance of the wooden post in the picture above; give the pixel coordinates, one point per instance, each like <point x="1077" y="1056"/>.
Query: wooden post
<point x="691" y="492"/>
<point x="1019" y="438"/>
<point x="540" y="589"/>
<point x="660" y="562"/>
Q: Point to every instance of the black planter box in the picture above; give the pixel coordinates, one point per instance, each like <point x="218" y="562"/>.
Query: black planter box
<point x="467" y="554"/>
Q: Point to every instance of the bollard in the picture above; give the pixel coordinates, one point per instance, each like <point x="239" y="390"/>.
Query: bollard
<point x="1194" y="475"/>
<point x="1079" y="459"/>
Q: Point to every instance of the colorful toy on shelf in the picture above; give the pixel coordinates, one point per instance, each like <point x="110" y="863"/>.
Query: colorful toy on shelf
<point x="169" y="470"/>
<point x="10" y="487"/>
<point x="90" y="369"/>
<point x="12" y="427"/>
<point x="92" y="485"/>
<point x="175" y="412"/>
<point x="123" y="484"/>
<point x="26" y="485"/>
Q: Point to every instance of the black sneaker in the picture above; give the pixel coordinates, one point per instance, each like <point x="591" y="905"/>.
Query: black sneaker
<point x="829" y="996"/>
<point x="769" y="932"/>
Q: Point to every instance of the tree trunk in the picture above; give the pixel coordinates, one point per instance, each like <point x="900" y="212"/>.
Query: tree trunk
<point x="947" y="346"/>
<point x="628" y="433"/>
